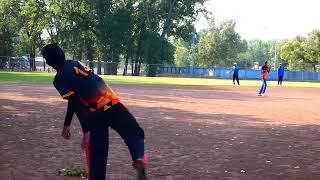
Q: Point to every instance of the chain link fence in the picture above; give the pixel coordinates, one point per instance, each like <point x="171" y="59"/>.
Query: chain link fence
<point x="14" y="63"/>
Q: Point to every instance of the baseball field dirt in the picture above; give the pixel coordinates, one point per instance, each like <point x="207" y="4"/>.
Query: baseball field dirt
<point x="192" y="133"/>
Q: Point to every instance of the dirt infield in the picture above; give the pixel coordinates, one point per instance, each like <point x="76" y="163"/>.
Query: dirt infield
<point x="192" y="133"/>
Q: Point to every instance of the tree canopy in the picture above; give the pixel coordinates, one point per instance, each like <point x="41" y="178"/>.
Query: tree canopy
<point x="137" y="32"/>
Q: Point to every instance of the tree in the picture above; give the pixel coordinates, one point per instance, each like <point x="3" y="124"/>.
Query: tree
<point x="313" y="48"/>
<point x="293" y="52"/>
<point x="8" y="27"/>
<point x="258" y="51"/>
<point x="140" y="31"/>
<point x="70" y="23"/>
<point x="302" y="52"/>
<point x="203" y="49"/>
<point x="160" y="21"/>
<point x="182" y="55"/>
<point x="32" y="24"/>
<point x="220" y="46"/>
<point x="261" y="51"/>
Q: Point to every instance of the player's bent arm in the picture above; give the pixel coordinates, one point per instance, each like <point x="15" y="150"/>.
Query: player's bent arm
<point x="74" y="101"/>
<point x="75" y="106"/>
<point x="69" y="114"/>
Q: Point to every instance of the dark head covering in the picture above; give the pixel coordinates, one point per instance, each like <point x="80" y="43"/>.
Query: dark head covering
<point x="53" y="54"/>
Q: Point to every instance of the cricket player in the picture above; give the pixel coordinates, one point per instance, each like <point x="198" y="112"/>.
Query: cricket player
<point x="264" y="75"/>
<point x="235" y="76"/>
<point x="99" y="108"/>
<point x="280" y="74"/>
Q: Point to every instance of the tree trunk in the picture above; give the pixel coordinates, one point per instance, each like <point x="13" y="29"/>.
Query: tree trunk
<point x="139" y="67"/>
<point x="115" y="62"/>
<point x="132" y="67"/>
<point x="80" y="52"/>
<point x="44" y="65"/>
<point x="105" y="61"/>
<point x="125" y="69"/>
<point x="32" y="57"/>
<point x="135" y="72"/>
<point x="127" y="59"/>
<point x="90" y="54"/>
<point x="99" y="67"/>
<point x="137" y="56"/>
<point x="168" y="22"/>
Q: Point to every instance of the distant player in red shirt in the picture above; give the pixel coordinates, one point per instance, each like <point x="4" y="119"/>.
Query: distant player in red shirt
<point x="264" y="75"/>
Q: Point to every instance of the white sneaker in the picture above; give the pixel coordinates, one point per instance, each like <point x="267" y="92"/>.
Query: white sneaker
<point x="259" y="94"/>
<point x="262" y="94"/>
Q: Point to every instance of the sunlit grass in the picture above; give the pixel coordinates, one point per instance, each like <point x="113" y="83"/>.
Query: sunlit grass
<point x="47" y="78"/>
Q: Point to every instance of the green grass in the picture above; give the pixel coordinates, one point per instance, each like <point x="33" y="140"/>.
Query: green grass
<point x="46" y="78"/>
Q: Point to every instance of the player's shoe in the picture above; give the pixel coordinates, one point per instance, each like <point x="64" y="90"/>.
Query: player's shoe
<point x="140" y="167"/>
<point x="260" y="94"/>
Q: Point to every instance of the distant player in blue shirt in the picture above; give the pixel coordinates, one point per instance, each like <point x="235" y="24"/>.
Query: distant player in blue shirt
<point x="235" y="76"/>
<point x="98" y="107"/>
<point x="280" y="74"/>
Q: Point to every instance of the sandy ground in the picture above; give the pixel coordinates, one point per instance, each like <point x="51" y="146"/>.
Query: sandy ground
<point x="192" y="133"/>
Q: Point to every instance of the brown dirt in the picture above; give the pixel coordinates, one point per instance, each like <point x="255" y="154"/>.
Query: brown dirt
<point x="192" y="133"/>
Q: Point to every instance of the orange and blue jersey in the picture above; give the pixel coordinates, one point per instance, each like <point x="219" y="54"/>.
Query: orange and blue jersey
<point x="264" y="72"/>
<point x="90" y="91"/>
<point x="75" y="78"/>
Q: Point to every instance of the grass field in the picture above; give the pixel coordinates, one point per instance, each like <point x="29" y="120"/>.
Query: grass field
<point x="46" y="78"/>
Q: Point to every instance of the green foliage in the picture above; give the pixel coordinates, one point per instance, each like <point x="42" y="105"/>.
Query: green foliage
<point x="32" y="21"/>
<point x="9" y="10"/>
<point x="75" y="171"/>
<point x="302" y="53"/>
<point x="220" y="46"/>
<point x="244" y="60"/>
<point x="261" y="51"/>
<point x="182" y="55"/>
<point x="139" y="30"/>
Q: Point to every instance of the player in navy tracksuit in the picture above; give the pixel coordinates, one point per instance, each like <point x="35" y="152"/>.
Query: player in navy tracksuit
<point x="98" y="108"/>
<point x="235" y="76"/>
<point x="280" y="74"/>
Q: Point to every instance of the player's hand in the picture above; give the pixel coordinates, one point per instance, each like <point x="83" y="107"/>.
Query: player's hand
<point x="85" y="140"/>
<point x="66" y="132"/>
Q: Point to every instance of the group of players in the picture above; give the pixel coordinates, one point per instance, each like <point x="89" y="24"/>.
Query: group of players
<point x="264" y="76"/>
